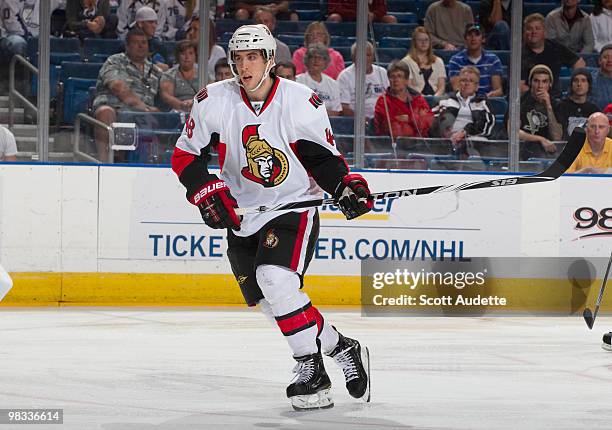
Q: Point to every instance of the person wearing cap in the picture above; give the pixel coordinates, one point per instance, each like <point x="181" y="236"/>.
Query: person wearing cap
<point x="316" y="60"/>
<point x="446" y="20"/>
<point x="146" y="20"/>
<point x="571" y="27"/>
<point x="127" y="81"/>
<point x="540" y="50"/>
<point x="596" y="154"/>
<point x="602" y="78"/>
<point x="488" y="64"/>
<point x="126" y="15"/>
<point x="574" y="110"/>
<point x="538" y="121"/>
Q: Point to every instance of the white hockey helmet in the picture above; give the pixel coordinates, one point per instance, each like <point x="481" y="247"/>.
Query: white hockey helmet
<point x="248" y="37"/>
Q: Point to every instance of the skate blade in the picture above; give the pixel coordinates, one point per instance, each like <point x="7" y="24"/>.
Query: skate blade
<point x="365" y="359"/>
<point x="606" y="346"/>
<point x="319" y="400"/>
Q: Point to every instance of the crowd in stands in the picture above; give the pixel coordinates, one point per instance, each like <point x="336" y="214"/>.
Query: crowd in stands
<point x="453" y="65"/>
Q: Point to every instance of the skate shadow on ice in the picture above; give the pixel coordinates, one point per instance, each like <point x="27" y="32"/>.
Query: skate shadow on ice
<point x="340" y="417"/>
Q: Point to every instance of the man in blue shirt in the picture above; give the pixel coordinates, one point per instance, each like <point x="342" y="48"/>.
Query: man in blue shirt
<point x="487" y="63"/>
<point x="601" y="94"/>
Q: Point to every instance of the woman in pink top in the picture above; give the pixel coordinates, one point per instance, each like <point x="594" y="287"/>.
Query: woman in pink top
<point x="316" y="32"/>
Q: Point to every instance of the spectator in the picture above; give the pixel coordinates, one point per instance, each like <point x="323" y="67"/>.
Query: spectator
<point x="146" y="20"/>
<point x="608" y="111"/>
<point x="264" y="16"/>
<point x="409" y="113"/>
<point x="179" y="85"/>
<point x="487" y="63"/>
<point x="222" y="70"/>
<point x="346" y="10"/>
<point x="127" y="81"/>
<point x="465" y="114"/>
<point x="285" y="70"/>
<point x="427" y="71"/>
<point x="126" y="15"/>
<point x="539" y="122"/>
<point x="574" y="110"/>
<point x="179" y="13"/>
<point x="18" y="22"/>
<point x="570" y="26"/>
<point x="596" y="155"/>
<point x="601" y="21"/>
<point x="8" y="147"/>
<point x="602" y="78"/>
<point x="316" y="32"/>
<point x="317" y="60"/>
<point x="446" y="20"/>
<point x="215" y="52"/>
<point x="375" y="81"/>
<point x="495" y="16"/>
<point x="90" y="18"/>
<point x="539" y="50"/>
<point x="245" y="9"/>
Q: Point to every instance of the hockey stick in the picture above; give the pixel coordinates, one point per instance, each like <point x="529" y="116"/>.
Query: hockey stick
<point x="589" y="317"/>
<point x="556" y="169"/>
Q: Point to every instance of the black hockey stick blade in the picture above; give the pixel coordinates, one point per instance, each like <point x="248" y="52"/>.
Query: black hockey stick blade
<point x="589" y="317"/>
<point x="556" y="169"/>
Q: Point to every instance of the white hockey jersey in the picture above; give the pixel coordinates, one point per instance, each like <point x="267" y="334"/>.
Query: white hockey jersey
<point x="258" y="149"/>
<point x="176" y="18"/>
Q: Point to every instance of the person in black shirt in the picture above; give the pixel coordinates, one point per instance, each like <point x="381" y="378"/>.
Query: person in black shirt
<point x="539" y="50"/>
<point x="90" y="18"/>
<point x="574" y="110"/>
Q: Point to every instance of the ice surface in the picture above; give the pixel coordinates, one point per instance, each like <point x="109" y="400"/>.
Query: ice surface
<point x="174" y="369"/>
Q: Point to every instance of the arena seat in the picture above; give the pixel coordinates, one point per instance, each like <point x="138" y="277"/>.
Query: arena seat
<point x="96" y="50"/>
<point x="543" y="8"/>
<point x="405" y="17"/>
<point x="152" y="120"/>
<point x="395" y="42"/>
<point x="75" y="98"/>
<point x="458" y="165"/>
<point x="499" y="105"/>
<point x="343" y="125"/>
<point x="309" y="14"/>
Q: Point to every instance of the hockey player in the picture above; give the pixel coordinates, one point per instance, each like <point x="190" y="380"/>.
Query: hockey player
<point x="6" y="283"/>
<point x="275" y="145"/>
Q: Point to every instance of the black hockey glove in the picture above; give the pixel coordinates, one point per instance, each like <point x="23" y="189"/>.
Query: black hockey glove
<point x="216" y="205"/>
<point x="353" y="196"/>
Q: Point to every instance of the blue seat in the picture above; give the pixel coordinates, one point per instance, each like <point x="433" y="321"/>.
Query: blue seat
<point x="543" y="8"/>
<point x="345" y="51"/>
<point x="564" y="83"/>
<point x="395" y="42"/>
<point x="291" y="39"/>
<point x="504" y="56"/>
<point x="61" y="50"/>
<point x="445" y="55"/>
<point x="393" y="30"/>
<point x="386" y="55"/>
<point x="106" y="47"/>
<point x="405" y="17"/>
<point x="76" y="97"/>
<point x="54" y="72"/>
<point x="394" y="6"/>
<point x="342" y="125"/>
<point x="309" y="14"/>
<point x="341" y="28"/>
<point x="499" y="105"/>
<point x="170" y="47"/>
<point x="70" y="69"/>
<point x="152" y="120"/>
<point x="342" y="41"/>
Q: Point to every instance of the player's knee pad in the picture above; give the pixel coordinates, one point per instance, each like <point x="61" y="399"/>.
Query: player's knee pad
<point x="266" y="309"/>
<point x="6" y="283"/>
<point x="277" y="283"/>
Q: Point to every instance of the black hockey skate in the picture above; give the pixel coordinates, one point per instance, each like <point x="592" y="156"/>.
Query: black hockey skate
<point x="607" y="341"/>
<point x="310" y="388"/>
<point x="355" y="363"/>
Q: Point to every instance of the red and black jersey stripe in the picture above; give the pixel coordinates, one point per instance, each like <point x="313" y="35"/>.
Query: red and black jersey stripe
<point x="315" y="101"/>
<point x="300" y="319"/>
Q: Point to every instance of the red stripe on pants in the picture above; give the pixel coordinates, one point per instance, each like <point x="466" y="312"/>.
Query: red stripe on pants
<point x="301" y="321"/>
<point x="299" y="241"/>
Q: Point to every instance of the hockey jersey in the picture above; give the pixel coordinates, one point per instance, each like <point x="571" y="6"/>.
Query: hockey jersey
<point x="268" y="155"/>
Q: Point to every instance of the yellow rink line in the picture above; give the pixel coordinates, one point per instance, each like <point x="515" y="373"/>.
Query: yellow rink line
<point x="155" y="289"/>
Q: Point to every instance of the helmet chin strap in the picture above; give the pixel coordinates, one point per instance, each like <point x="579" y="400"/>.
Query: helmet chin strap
<point x="264" y="76"/>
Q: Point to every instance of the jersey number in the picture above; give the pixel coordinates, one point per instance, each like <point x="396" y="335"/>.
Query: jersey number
<point x="189" y="126"/>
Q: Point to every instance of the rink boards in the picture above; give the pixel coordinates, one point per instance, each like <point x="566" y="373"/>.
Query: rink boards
<point x="74" y="234"/>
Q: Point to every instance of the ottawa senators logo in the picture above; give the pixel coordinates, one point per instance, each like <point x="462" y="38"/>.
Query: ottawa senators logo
<point x="271" y="240"/>
<point x="265" y="165"/>
<point x="315" y="101"/>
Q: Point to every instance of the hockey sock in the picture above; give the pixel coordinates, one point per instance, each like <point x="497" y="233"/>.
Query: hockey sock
<point x="298" y="320"/>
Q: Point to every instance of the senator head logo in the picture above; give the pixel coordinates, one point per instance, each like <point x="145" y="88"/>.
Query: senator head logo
<point x="265" y="165"/>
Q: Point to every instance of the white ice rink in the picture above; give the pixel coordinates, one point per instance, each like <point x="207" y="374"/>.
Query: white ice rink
<point x="141" y="369"/>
